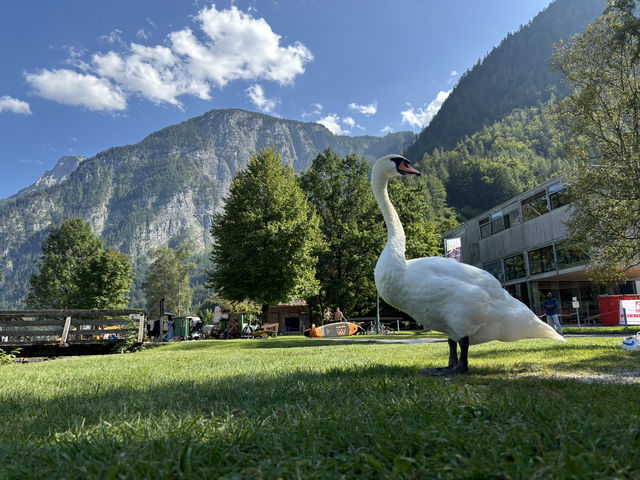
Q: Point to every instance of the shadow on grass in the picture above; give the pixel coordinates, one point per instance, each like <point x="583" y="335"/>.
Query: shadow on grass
<point x="257" y="344"/>
<point x="244" y="393"/>
<point x="229" y="424"/>
<point x="240" y="394"/>
<point x="488" y="350"/>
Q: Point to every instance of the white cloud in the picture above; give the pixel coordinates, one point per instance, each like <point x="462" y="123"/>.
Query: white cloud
<point x="245" y="47"/>
<point x="365" y="109"/>
<point x="113" y="37"/>
<point x="142" y="34"/>
<point x="13" y="105"/>
<point x="332" y="122"/>
<point x="150" y="72"/>
<point x="72" y="88"/>
<point x="420" y="118"/>
<point x="349" y="121"/>
<point x="74" y="52"/>
<point x="28" y="161"/>
<point x="415" y="118"/>
<point x="317" y="111"/>
<point x="452" y="77"/>
<point x="352" y="123"/>
<point x="257" y="96"/>
<point x="229" y="45"/>
<point x="386" y="129"/>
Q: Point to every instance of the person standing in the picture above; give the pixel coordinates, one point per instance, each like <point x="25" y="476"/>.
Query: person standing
<point x="551" y="309"/>
<point x="326" y="317"/>
<point x="338" y="316"/>
<point x="169" y="335"/>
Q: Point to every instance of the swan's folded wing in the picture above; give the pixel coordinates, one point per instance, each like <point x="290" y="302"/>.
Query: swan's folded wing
<point x="462" y="300"/>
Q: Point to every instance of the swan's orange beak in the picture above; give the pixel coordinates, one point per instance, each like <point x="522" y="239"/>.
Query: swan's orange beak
<point x="405" y="168"/>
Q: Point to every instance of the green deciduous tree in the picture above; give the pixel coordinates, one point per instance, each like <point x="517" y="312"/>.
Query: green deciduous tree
<point x="168" y="279"/>
<point x="231" y="306"/>
<point x="602" y="67"/>
<point x="75" y="271"/>
<point x="265" y="237"/>
<point x="351" y="223"/>
<point x="104" y="281"/>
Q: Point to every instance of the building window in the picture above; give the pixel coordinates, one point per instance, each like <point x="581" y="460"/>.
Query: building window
<point x="535" y="205"/>
<point x="496" y="270"/>
<point x="570" y="255"/>
<point x="497" y="222"/>
<point x="485" y="228"/>
<point x="514" y="267"/>
<point x="558" y="195"/>
<point x="512" y="218"/>
<point x="541" y="260"/>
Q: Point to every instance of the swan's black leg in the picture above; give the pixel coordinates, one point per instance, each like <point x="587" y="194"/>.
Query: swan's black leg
<point x="453" y="361"/>
<point x="453" y="353"/>
<point x="463" y="362"/>
<point x="456" y="365"/>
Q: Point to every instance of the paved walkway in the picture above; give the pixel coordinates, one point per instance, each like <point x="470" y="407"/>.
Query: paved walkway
<point x="392" y="339"/>
<point x="366" y="338"/>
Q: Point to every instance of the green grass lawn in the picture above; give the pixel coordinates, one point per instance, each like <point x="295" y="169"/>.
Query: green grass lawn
<point x="631" y="330"/>
<point x="309" y="408"/>
<point x="575" y="330"/>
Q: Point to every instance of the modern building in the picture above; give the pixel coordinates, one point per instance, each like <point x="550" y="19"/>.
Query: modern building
<point x="523" y="243"/>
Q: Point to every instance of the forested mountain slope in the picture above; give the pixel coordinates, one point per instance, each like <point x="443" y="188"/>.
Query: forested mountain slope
<point x="514" y="75"/>
<point x="500" y="161"/>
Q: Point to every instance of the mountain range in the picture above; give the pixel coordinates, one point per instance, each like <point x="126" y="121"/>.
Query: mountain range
<point x="165" y="189"/>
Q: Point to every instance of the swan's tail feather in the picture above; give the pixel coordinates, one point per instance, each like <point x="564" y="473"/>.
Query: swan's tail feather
<point x="540" y="329"/>
<point x="526" y="324"/>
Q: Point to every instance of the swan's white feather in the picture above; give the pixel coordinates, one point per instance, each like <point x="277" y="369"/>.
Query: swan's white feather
<point x="443" y="294"/>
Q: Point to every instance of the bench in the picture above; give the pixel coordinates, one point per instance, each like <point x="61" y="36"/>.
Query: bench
<point x="267" y="330"/>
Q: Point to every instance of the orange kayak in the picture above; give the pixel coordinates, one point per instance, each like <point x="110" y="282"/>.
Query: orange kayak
<point x="338" y="329"/>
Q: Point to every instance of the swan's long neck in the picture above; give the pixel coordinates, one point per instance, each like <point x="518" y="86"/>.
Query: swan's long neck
<point x="395" y="233"/>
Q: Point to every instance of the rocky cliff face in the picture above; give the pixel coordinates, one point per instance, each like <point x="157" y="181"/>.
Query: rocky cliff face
<point x="163" y="190"/>
<point x="65" y="166"/>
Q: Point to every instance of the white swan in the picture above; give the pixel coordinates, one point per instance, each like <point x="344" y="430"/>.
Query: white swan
<point x="465" y="302"/>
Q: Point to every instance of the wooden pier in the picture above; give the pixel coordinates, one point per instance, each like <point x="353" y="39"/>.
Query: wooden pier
<point x="65" y="328"/>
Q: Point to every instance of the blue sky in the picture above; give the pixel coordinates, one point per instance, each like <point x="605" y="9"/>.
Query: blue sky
<point x="81" y="76"/>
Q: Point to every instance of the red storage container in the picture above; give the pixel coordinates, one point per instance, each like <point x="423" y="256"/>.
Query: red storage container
<point x="610" y="308"/>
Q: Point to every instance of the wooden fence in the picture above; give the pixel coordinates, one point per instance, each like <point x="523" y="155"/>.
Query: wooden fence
<point x="69" y="327"/>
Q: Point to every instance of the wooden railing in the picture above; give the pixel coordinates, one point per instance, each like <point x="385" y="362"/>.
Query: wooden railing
<point x="69" y="327"/>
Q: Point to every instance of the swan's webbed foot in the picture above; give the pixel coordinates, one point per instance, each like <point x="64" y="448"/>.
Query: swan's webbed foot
<point x="456" y="365"/>
<point x="438" y="371"/>
<point x="444" y="371"/>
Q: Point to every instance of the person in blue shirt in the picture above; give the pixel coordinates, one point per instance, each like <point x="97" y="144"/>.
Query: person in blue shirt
<point x="169" y="334"/>
<point x="551" y="309"/>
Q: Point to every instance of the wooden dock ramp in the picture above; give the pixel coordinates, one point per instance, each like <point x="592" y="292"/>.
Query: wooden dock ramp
<point x="64" y="328"/>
